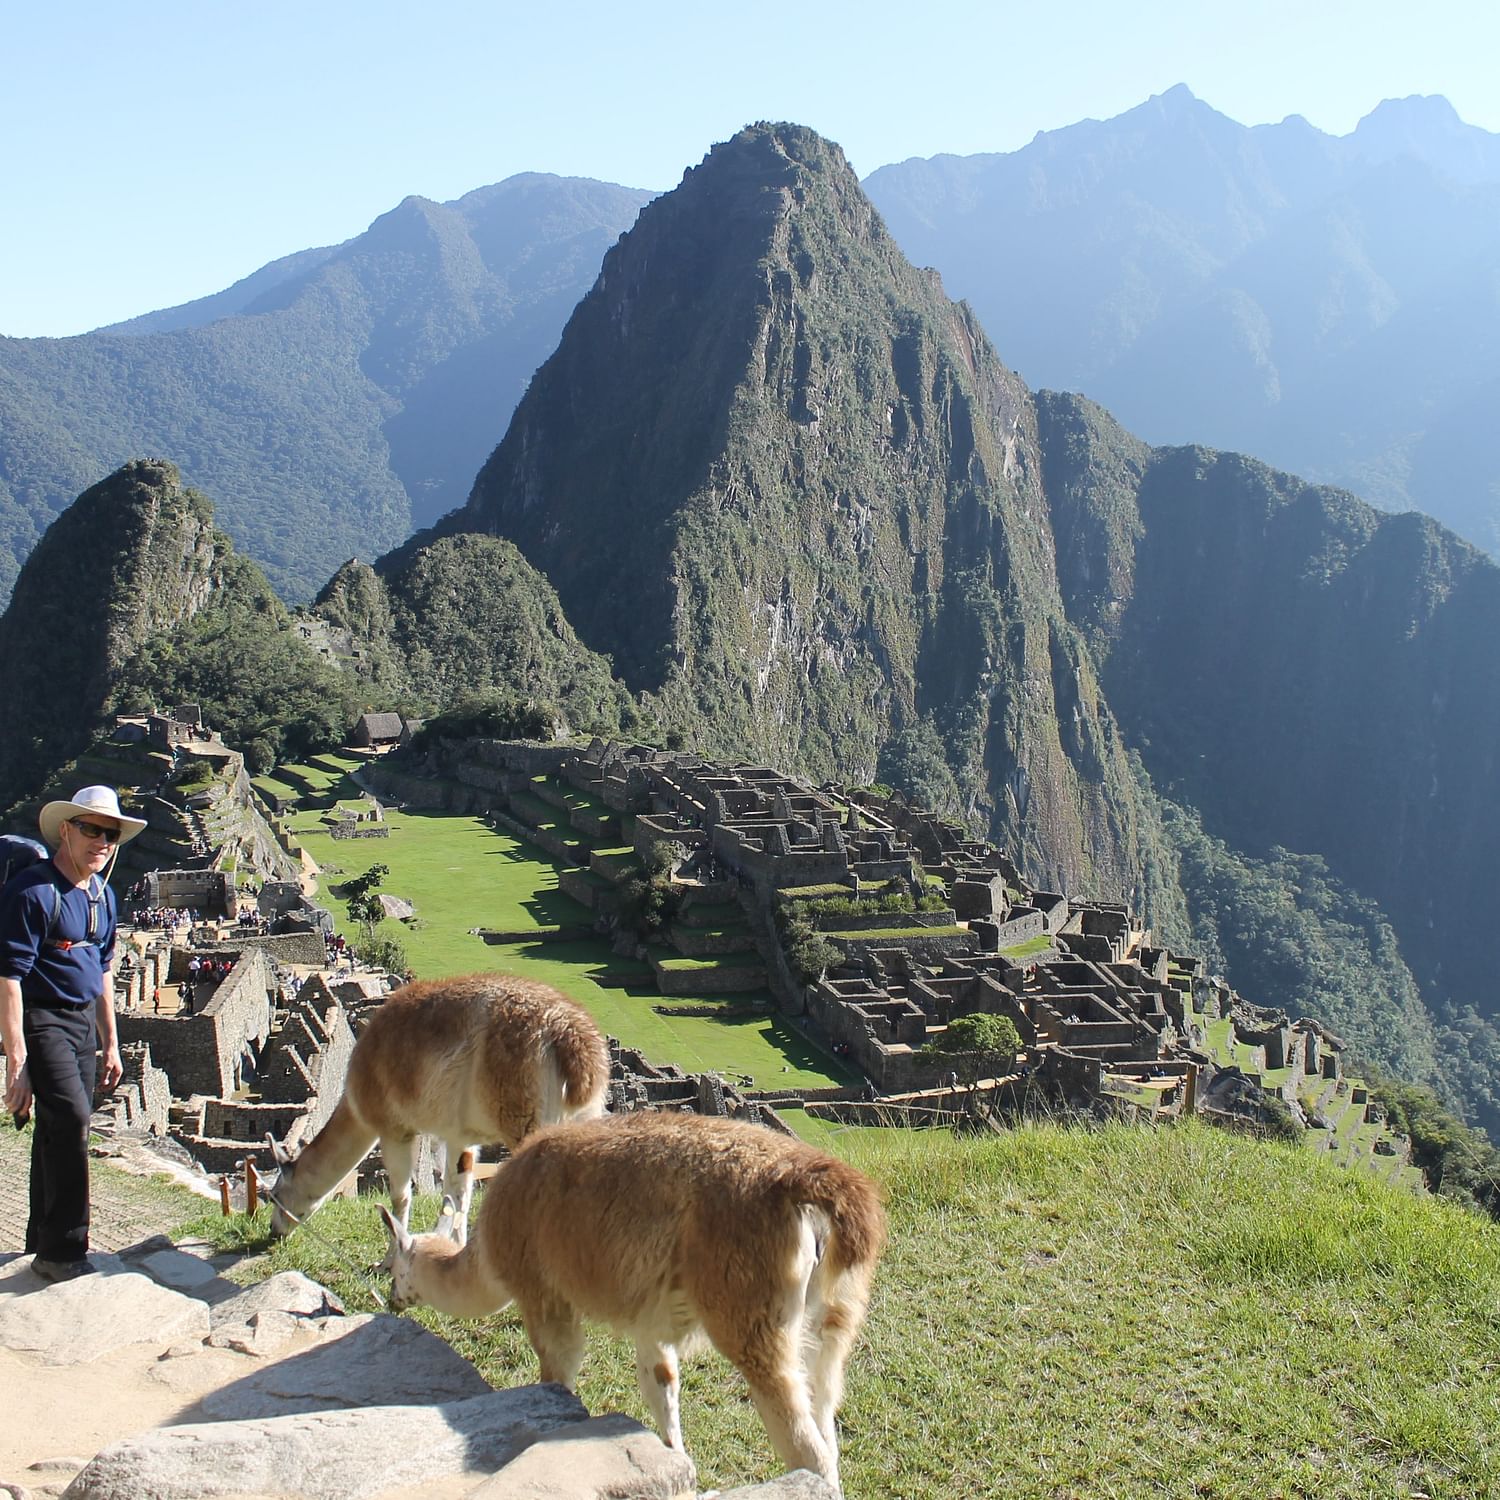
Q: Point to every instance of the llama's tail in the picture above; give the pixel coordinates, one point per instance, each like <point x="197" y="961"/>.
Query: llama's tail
<point x="850" y="1203"/>
<point x="581" y="1057"/>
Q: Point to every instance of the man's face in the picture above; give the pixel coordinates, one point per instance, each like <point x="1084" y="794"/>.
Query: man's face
<point x="89" y="841"/>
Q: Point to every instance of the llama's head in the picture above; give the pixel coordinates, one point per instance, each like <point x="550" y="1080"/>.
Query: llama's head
<point x="280" y="1190"/>
<point x="404" y="1250"/>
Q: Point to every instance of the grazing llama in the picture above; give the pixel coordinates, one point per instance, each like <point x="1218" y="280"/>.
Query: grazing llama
<point x="668" y="1227"/>
<point x="475" y="1060"/>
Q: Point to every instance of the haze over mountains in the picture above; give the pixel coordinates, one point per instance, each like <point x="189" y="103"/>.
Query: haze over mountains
<point x="793" y="495"/>
<point x="1329" y="304"/>
<point x="329" y="402"/>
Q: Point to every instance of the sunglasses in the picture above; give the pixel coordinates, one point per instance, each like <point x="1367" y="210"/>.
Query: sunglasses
<point x="96" y="831"/>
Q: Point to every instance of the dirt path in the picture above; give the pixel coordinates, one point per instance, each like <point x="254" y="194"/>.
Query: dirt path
<point x="123" y="1214"/>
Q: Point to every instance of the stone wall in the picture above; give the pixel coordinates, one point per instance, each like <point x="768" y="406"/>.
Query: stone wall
<point x="206" y="1053"/>
<point x="195" y="890"/>
<point x="278" y="947"/>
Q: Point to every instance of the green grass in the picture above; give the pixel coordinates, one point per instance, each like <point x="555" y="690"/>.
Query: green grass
<point x="1029" y="949"/>
<point x="883" y="934"/>
<point x="459" y="874"/>
<point x="1064" y="1314"/>
<point x="269" y="786"/>
<point x="683" y="965"/>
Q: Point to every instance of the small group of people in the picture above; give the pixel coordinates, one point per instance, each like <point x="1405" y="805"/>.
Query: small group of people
<point x="57" y="1018"/>
<point x="163" y="918"/>
<point x="213" y="970"/>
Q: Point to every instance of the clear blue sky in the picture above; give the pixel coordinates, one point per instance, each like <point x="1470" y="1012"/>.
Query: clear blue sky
<point x="157" y="150"/>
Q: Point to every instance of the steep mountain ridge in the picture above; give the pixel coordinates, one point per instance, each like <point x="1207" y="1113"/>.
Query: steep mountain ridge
<point x="134" y="555"/>
<point x="821" y="493"/>
<point x="1307" y="671"/>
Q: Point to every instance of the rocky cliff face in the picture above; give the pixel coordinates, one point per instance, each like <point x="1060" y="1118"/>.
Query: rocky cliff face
<point x="134" y="555"/>
<point x="1306" y="671"/>
<point x="792" y="490"/>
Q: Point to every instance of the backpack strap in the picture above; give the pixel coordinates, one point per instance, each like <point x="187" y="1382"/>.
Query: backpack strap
<point x="98" y="895"/>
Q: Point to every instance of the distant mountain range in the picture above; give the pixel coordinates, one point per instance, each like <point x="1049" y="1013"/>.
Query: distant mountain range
<point x="331" y="401"/>
<point x="1329" y="304"/>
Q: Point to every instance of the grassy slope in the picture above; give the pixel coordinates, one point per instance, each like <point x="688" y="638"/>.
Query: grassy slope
<point x="1114" y="1313"/>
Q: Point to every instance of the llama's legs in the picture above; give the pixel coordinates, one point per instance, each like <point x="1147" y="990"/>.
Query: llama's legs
<point x="769" y="1355"/>
<point x="656" y="1370"/>
<point x="834" y="1328"/>
<point x="458" y="1183"/>
<point x="398" y="1156"/>
<point x="557" y="1337"/>
<point x="779" y="1391"/>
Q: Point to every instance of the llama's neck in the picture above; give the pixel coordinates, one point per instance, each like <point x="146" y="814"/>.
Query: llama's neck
<point x="455" y="1281"/>
<point x="326" y="1160"/>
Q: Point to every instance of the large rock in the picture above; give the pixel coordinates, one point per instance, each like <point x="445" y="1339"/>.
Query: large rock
<point x="800" y="1484"/>
<point x="75" y="1322"/>
<point x="605" y="1458"/>
<point x="327" y="1455"/>
<point x="361" y="1361"/>
<point x="287" y="1291"/>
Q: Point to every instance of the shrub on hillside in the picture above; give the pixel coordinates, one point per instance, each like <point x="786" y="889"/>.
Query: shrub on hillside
<point x="808" y="952"/>
<point x="500" y="716"/>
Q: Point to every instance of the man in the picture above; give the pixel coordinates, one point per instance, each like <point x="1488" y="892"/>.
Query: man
<point x="57" y="955"/>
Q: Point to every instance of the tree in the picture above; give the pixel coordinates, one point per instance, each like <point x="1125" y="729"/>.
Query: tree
<point x="975" y="1045"/>
<point x="360" y="896"/>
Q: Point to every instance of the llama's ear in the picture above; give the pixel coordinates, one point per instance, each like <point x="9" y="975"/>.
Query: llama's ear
<point x="279" y="1154"/>
<point x="447" y="1224"/>
<point x="399" y="1238"/>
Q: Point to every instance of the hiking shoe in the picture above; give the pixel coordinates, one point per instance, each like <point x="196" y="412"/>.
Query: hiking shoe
<point x="61" y="1270"/>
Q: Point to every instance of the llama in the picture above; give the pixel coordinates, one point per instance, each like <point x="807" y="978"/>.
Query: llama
<point x="480" y="1059"/>
<point x="669" y="1227"/>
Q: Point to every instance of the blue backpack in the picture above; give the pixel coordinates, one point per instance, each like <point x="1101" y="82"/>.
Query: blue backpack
<point x="17" y="854"/>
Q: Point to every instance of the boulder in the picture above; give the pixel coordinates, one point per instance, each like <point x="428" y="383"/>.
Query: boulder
<point x="366" y="1360"/>
<point x="800" y="1484"/>
<point x="75" y="1322"/>
<point x="605" y="1458"/>
<point x="287" y="1291"/>
<point x="327" y="1455"/>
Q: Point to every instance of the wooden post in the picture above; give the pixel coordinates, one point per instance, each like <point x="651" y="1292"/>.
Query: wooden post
<point x="252" y="1186"/>
<point x="224" y="1194"/>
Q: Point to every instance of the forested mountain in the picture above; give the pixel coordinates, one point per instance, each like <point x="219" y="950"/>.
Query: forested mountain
<point x="788" y="486"/>
<point x="134" y="599"/>
<point x="1329" y="304"/>
<point x="469" y="618"/>
<point x="331" y="401"/>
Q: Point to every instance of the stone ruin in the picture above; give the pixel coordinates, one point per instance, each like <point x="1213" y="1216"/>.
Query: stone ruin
<point x="1109" y="1021"/>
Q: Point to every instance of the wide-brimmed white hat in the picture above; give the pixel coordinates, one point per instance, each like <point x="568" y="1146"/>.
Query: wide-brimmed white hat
<point x="88" y="801"/>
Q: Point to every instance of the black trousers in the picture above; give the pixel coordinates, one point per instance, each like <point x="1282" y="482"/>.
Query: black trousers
<point x="60" y="1058"/>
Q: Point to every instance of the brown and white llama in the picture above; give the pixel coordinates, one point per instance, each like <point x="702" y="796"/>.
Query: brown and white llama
<point x="669" y="1227"/>
<point x="475" y="1060"/>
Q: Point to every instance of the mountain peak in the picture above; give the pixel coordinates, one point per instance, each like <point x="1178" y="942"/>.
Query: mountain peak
<point x="1427" y="127"/>
<point x="1415" y="110"/>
